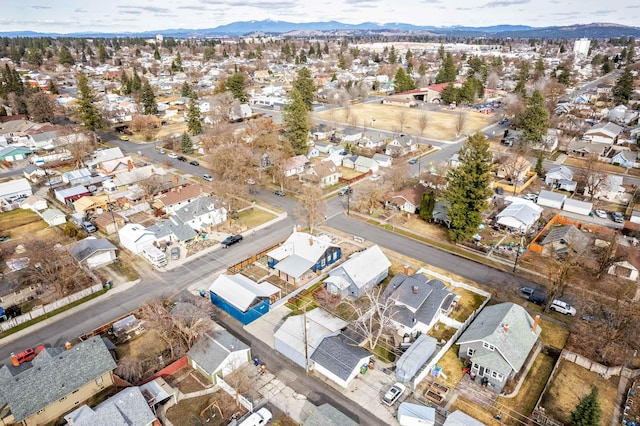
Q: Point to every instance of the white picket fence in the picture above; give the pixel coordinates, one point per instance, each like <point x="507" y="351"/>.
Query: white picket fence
<point x="45" y="309"/>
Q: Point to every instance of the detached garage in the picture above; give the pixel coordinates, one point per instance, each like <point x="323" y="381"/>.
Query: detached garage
<point x="415" y="357"/>
<point x="579" y="207"/>
<point x="554" y="200"/>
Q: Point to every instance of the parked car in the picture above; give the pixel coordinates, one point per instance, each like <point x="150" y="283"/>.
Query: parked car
<point x="617" y="217"/>
<point x="175" y="253"/>
<point x="279" y="193"/>
<point x="194" y="163"/>
<point x="499" y="190"/>
<point x="503" y="121"/>
<point x="89" y="227"/>
<point x="344" y="191"/>
<point x="162" y="151"/>
<point x="259" y="418"/>
<point x="124" y="138"/>
<point x="172" y="155"/>
<point x="526" y="292"/>
<point x="531" y="197"/>
<point x="182" y="158"/>
<point x="537" y="298"/>
<point x="231" y="240"/>
<point x="393" y="394"/>
<point x="562" y="307"/>
<point x="207" y="177"/>
<point x="413" y="161"/>
<point x="28" y="354"/>
<point x="600" y="213"/>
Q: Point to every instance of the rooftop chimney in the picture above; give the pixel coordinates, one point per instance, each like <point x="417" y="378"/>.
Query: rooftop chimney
<point x="67" y="345"/>
<point x="505" y="328"/>
<point x="310" y="241"/>
<point x="405" y="269"/>
<point x="535" y="324"/>
<point x="415" y="289"/>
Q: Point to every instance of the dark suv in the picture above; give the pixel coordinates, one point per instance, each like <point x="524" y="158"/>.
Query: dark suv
<point x="182" y="158"/>
<point x="231" y="240"/>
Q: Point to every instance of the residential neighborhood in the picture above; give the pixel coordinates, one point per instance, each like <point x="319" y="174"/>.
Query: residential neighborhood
<point x="319" y="228"/>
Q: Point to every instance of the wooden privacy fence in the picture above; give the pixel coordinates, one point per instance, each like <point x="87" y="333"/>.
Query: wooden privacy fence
<point x="355" y="179"/>
<point x="234" y="269"/>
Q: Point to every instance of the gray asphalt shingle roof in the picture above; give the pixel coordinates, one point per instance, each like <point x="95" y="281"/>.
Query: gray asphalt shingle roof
<point x="210" y="351"/>
<point x="489" y="326"/>
<point x="339" y="356"/>
<point x="53" y="375"/>
<point x="126" y="408"/>
<point x="328" y="415"/>
<point x="87" y="247"/>
<point x="174" y="227"/>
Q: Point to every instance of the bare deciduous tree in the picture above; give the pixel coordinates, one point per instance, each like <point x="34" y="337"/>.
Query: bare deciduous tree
<point x="593" y="175"/>
<point x="402" y="119"/>
<point x="423" y="122"/>
<point x="130" y="368"/>
<point x="369" y="196"/>
<point x="460" y="123"/>
<point x="372" y="314"/>
<point x="514" y="105"/>
<point x="311" y="206"/>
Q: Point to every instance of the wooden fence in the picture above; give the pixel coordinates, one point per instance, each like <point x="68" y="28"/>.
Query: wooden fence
<point x="355" y="179"/>
<point x="561" y="220"/>
<point x="234" y="269"/>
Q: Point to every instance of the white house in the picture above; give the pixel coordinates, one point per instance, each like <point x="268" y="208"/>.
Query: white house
<point x="360" y="272"/>
<point x="610" y="189"/>
<point x="218" y="354"/>
<point x="295" y="165"/>
<point x="560" y="177"/>
<point x="54" y="217"/>
<point x="339" y="360"/>
<point x="519" y="216"/>
<point x="15" y="188"/>
<point x="551" y="199"/>
<point x="94" y="252"/>
<point x="134" y="237"/>
<point x="605" y="133"/>
<point x="34" y="202"/>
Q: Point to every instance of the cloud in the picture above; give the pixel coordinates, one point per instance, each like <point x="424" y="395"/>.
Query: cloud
<point x="277" y="4"/>
<point x="365" y="3"/>
<point x="37" y="6"/>
<point x="135" y="10"/>
<point x="603" y="12"/>
<point x="565" y="14"/>
<point x="463" y="8"/>
<point x="504" y="3"/>
<point x="633" y="6"/>
<point x="430" y="1"/>
<point x="78" y="10"/>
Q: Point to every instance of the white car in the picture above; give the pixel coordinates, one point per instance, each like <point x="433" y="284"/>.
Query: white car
<point x="394" y="393"/>
<point x="259" y="418"/>
<point x="530" y="197"/>
<point x="172" y="155"/>
<point x="601" y="214"/>
<point x="562" y="307"/>
<point x="207" y="177"/>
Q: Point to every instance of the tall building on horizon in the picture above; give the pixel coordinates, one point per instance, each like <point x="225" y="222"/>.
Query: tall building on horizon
<point x="581" y="47"/>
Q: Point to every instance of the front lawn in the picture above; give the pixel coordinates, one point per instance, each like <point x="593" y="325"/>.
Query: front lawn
<point x="252" y="218"/>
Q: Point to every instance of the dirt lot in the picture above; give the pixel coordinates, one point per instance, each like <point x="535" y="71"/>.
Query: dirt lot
<point x="441" y="124"/>
<point x="570" y="383"/>
<point x="18" y="223"/>
<point x="200" y="410"/>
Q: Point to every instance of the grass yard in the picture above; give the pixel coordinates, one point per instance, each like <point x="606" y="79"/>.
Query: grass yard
<point x="188" y="411"/>
<point x="441" y="124"/>
<point x="348" y="173"/>
<point x="147" y="345"/>
<point x="483" y="414"/>
<point x="468" y="303"/>
<point x="442" y="332"/>
<point x="254" y="217"/>
<point x="452" y="366"/>
<point x="532" y="387"/>
<point x="553" y="334"/>
<point x="570" y="383"/>
<point x="19" y="222"/>
<point x="190" y="384"/>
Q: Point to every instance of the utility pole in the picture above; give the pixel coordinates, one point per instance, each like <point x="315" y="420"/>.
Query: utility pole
<point x="348" y="201"/>
<point x="306" y="343"/>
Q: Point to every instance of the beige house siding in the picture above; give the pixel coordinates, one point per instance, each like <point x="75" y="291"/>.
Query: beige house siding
<point x="70" y="401"/>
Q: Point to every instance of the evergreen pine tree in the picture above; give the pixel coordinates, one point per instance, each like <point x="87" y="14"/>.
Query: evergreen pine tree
<point x="447" y="72"/>
<point x="393" y="58"/>
<point x="237" y="86"/>
<point x="296" y="124"/>
<point x="125" y="84"/>
<point x="148" y="99"/>
<point x="136" y="83"/>
<point x="623" y="88"/>
<point x="588" y="411"/>
<point x="539" y="165"/>
<point x="193" y="118"/>
<point x="305" y="86"/>
<point x="86" y="110"/>
<point x="468" y="188"/>
<point x="156" y="54"/>
<point x="185" y="144"/>
<point x="102" y="53"/>
<point x="403" y="82"/>
<point x="427" y="204"/>
<point x="51" y="87"/>
<point x="534" y="120"/>
<point x="64" y="56"/>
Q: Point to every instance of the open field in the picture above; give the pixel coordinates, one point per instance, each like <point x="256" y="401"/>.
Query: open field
<point x="18" y="223"/>
<point x="440" y="125"/>
<point x="254" y="217"/>
<point x="570" y="383"/>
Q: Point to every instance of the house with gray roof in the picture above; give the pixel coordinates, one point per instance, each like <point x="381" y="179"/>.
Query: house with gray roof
<point x="362" y="271"/>
<point x="339" y="359"/>
<point x="128" y="407"/>
<point x="218" y="353"/>
<point x="498" y="342"/>
<point x="551" y="199"/>
<point x="460" y="418"/>
<point x="202" y="213"/>
<point x="54" y="217"/>
<point x="519" y="216"/>
<point x="561" y="239"/>
<point x="419" y="303"/>
<point x="328" y="415"/>
<point x="172" y="231"/>
<point x="55" y="382"/>
<point x="560" y="177"/>
<point x="364" y="164"/>
<point x="94" y="252"/>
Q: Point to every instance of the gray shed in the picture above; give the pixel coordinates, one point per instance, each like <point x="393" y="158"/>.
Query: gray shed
<point x="551" y="199"/>
<point x="415" y="357"/>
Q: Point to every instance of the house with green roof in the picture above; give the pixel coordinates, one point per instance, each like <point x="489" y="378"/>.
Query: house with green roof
<point x="498" y="343"/>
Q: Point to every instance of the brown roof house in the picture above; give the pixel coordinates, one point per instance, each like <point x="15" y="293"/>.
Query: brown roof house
<point x="55" y="382"/>
<point x="325" y="173"/>
<point x="180" y="196"/>
<point x="109" y="222"/>
<point x="407" y="200"/>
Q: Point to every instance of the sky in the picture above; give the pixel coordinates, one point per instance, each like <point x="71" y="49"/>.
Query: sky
<point x="68" y="16"/>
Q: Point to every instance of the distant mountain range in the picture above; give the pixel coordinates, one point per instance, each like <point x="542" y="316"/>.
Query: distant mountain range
<point x="596" y="30"/>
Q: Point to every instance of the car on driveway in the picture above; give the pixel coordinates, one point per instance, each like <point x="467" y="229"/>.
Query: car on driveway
<point x="231" y="240"/>
<point x="393" y="394"/>
<point x="600" y="213"/>
<point x="207" y="177"/>
<point x="562" y="307"/>
<point x="172" y="155"/>
<point x="194" y="163"/>
<point x="617" y="217"/>
<point x="279" y="193"/>
<point x="175" y="253"/>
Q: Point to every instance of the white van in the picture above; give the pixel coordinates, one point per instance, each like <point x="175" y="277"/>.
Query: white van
<point x="155" y="256"/>
<point x="259" y="418"/>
